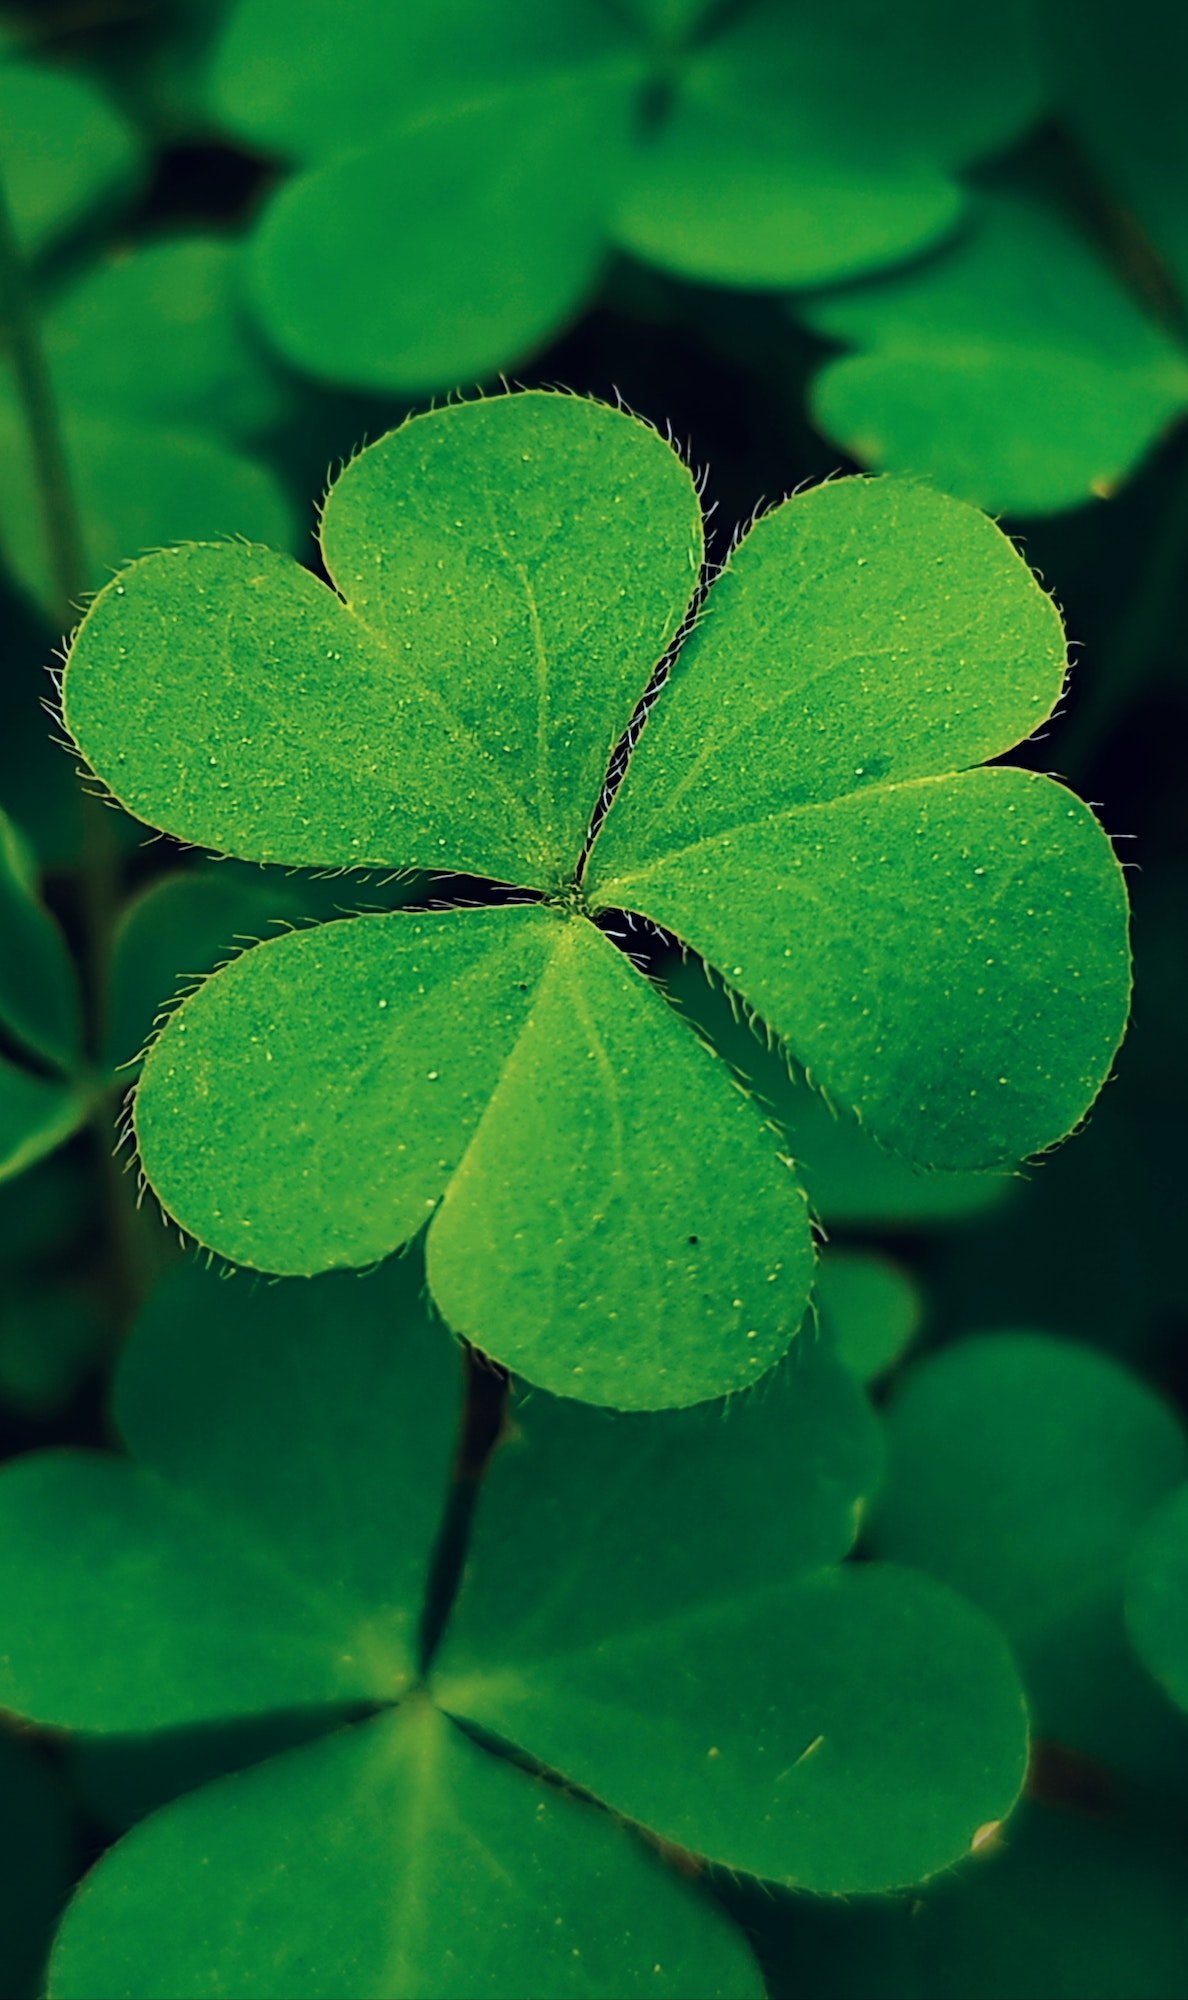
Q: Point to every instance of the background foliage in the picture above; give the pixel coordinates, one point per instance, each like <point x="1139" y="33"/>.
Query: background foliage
<point x="254" y="235"/>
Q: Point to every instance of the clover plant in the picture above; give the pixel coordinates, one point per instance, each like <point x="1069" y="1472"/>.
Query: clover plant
<point x="942" y="947"/>
<point x="1036" y="361"/>
<point x="654" y="1608"/>
<point x="464" y="168"/>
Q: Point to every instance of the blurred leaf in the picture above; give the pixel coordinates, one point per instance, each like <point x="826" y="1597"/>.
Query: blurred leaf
<point x="44" y="1211"/>
<point x="251" y="1560"/>
<point x="850" y="1180"/>
<point x="39" y="1002"/>
<point x="1019" y="1470"/>
<point x="36" y="1115"/>
<point x="1072" y="1908"/>
<point x="397" y="1858"/>
<point x="1157" y="1596"/>
<point x="905" y="930"/>
<point x="1014" y="370"/>
<point x="157" y="333"/>
<point x="810" y="144"/>
<point x="470" y="160"/>
<point x="35" y="1865"/>
<point x="870" y="1310"/>
<point x="64" y="150"/>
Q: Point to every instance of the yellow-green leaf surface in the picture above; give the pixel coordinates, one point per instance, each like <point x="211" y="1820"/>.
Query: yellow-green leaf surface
<point x="1157" y="1596"/>
<point x="457" y="705"/>
<point x="943" y="949"/>
<point x="808" y="144"/>
<point x="645" y="1610"/>
<point x="514" y="1063"/>
<point x="245" y="1561"/>
<point x="64" y="150"/>
<point x="1013" y="369"/>
<point x="390" y="1860"/>
<point x="38" y="992"/>
<point x="1020" y="1469"/>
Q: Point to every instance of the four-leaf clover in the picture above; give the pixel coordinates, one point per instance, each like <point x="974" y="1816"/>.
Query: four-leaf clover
<point x="943" y="948"/>
<point x="655" y="1606"/>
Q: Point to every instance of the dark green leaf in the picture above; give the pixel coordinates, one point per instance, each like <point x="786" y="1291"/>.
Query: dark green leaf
<point x="251" y="1560"/>
<point x="870" y="1310"/>
<point x="1020" y="1468"/>
<point x="36" y="1115"/>
<point x="64" y="149"/>
<point x="385" y="1861"/>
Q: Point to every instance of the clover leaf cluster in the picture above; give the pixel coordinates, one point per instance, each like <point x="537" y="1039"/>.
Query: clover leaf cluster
<point x="941" y="946"/>
<point x="464" y="167"/>
<point x="655" y="1628"/>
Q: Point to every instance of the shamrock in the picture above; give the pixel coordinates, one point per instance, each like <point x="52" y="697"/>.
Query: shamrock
<point x="942" y="948"/>
<point x="466" y="165"/>
<point x="654" y="1606"/>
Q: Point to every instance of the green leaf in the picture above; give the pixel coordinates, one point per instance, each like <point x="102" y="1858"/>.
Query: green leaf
<point x="469" y="153"/>
<point x="513" y="1062"/>
<point x="454" y="247"/>
<point x="642" y="1609"/>
<point x="1013" y="370"/>
<point x="309" y="85"/>
<point x="1020" y="1469"/>
<point x="812" y="144"/>
<point x="748" y="1730"/>
<point x="38" y="993"/>
<point x="591" y="1525"/>
<point x="945" y="955"/>
<point x="36" y="1115"/>
<point x="64" y="150"/>
<point x="1157" y="1596"/>
<point x="460" y="707"/>
<point x="184" y="926"/>
<point x="35" y="1865"/>
<point x="848" y="1178"/>
<point x="250" y="1560"/>
<point x="870" y="1310"/>
<point x="157" y="333"/>
<point x="49" y="1336"/>
<point x="394" y="1858"/>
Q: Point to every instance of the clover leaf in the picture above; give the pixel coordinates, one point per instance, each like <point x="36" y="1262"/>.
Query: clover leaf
<point x="65" y="151"/>
<point x="1014" y="369"/>
<point x="943" y="947"/>
<point x="466" y="167"/>
<point x="159" y="392"/>
<point x="266" y="1551"/>
<point x="1031" y="1508"/>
